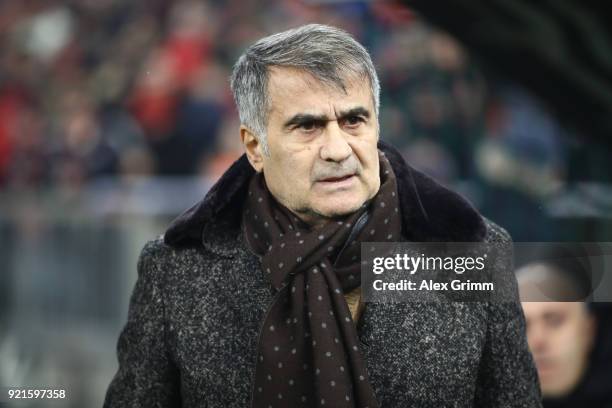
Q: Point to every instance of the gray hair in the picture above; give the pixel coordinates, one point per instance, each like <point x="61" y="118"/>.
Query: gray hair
<point x="328" y="53"/>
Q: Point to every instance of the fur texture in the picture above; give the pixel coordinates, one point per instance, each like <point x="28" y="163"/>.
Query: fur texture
<point x="430" y="211"/>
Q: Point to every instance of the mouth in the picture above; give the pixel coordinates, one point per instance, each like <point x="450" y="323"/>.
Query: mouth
<point x="345" y="182"/>
<point x="336" y="179"/>
<point x="544" y="366"/>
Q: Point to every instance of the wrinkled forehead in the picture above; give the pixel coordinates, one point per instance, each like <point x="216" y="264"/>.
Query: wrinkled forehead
<point x="292" y="90"/>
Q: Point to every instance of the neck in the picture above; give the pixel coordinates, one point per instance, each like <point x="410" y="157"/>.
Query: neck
<point x="313" y="220"/>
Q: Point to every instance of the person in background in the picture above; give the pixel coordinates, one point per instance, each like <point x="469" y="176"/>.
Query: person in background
<point x="568" y="337"/>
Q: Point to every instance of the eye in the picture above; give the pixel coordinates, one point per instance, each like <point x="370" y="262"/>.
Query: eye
<point x="554" y="320"/>
<point x="307" y="126"/>
<point x="310" y="126"/>
<point x="353" y="121"/>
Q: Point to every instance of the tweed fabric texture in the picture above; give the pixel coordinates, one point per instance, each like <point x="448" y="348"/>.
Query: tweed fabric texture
<point x="190" y="339"/>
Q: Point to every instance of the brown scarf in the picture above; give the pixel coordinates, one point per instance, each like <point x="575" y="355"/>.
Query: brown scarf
<point x="308" y="349"/>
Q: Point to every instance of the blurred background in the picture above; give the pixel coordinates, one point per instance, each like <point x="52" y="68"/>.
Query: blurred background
<point x="115" y="116"/>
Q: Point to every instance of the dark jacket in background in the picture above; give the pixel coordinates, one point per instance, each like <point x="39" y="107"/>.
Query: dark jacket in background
<point x="595" y="389"/>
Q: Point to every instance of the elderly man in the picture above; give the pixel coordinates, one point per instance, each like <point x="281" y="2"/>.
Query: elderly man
<point x="252" y="296"/>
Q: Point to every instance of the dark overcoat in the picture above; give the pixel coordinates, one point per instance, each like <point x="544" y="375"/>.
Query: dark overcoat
<point x="195" y="312"/>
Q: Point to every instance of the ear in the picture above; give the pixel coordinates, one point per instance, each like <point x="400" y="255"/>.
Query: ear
<point x="252" y="148"/>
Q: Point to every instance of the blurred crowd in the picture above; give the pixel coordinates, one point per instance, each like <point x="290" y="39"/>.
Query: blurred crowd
<point x="94" y="88"/>
<point x="90" y="89"/>
<point x="111" y="88"/>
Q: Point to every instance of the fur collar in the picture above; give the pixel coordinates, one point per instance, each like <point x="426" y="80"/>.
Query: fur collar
<point x="430" y="212"/>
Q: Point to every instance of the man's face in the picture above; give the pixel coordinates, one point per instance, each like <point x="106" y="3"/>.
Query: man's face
<point x="323" y="159"/>
<point x="560" y="336"/>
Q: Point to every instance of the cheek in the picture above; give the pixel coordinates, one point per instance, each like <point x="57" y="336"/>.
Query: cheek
<point x="581" y="346"/>
<point x="292" y="170"/>
<point x="570" y="345"/>
<point x="373" y="172"/>
<point x="297" y="165"/>
<point x="367" y="154"/>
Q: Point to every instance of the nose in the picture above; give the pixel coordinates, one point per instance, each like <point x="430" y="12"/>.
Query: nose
<point x="537" y="338"/>
<point x="335" y="147"/>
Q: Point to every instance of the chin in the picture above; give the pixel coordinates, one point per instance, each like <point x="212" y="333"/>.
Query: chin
<point x="340" y="208"/>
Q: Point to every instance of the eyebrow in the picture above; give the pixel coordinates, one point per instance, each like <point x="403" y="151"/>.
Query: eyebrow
<point x="303" y="118"/>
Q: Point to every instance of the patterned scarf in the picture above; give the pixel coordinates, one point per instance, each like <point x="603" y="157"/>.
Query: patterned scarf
<point x="308" y="349"/>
